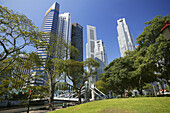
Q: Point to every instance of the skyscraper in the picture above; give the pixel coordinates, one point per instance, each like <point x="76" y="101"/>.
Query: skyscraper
<point x="64" y="29"/>
<point x="125" y="38"/>
<point x="49" y="25"/>
<point x="77" y="40"/>
<point x="100" y="56"/>
<point x="91" y="38"/>
<point x="50" y="21"/>
<point x="95" y="49"/>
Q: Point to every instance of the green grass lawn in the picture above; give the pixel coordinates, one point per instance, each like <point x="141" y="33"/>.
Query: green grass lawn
<point x="122" y="105"/>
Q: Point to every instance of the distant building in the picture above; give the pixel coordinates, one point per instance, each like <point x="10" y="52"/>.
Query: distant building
<point x="64" y="29"/>
<point x="91" y="38"/>
<point x="77" y="40"/>
<point x="125" y="38"/>
<point x="101" y="57"/>
<point x="95" y="49"/>
<point x="22" y="70"/>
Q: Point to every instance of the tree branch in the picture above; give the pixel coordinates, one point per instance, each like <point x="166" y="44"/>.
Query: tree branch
<point x="6" y="51"/>
<point x="7" y="65"/>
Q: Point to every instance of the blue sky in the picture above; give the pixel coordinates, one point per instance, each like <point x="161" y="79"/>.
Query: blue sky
<point x="100" y="13"/>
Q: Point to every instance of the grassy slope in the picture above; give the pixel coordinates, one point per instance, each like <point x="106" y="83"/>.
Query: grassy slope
<point x="125" y="105"/>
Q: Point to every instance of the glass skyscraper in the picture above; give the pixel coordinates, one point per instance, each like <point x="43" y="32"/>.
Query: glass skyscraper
<point x="125" y="38"/>
<point x="64" y="30"/>
<point x="77" y="40"/>
<point x="49" y="26"/>
<point x="50" y="22"/>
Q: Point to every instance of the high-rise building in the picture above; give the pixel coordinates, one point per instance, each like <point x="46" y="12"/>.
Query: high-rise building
<point x="125" y="38"/>
<point x="91" y="38"/>
<point x="77" y="40"/>
<point x="100" y="56"/>
<point x="95" y="49"/>
<point x="49" y="25"/>
<point x="64" y="29"/>
<point x="50" y="21"/>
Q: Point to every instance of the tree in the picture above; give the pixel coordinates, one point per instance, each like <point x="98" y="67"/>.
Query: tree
<point x="16" y="32"/>
<point x="15" y="79"/>
<point x="102" y="86"/>
<point x="91" y="64"/>
<point x="153" y="53"/>
<point x="119" y="75"/>
<point x="56" y="53"/>
<point x="75" y="72"/>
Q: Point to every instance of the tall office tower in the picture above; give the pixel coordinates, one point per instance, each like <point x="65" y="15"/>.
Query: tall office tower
<point x="50" y="21"/>
<point x="125" y="38"/>
<point x="49" y="25"/>
<point x="91" y="38"/>
<point x="64" y="29"/>
<point x="100" y="56"/>
<point x="77" y="40"/>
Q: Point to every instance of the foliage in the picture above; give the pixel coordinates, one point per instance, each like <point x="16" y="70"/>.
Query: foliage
<point x="16" y="32"/>
<point x="153" y="53"/>
<point x="167" y="89"/>
<point x="119" y="75"/>
<point x="75" y="72"/>
<point x="56" y="54"/>
<point x="144" y="65"/>
<point x="16" y="78"/>
<point x="102" y="86"/>
<point x="91" y="64"/>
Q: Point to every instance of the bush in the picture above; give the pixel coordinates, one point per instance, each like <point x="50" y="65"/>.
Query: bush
<point x="129" y="94"/>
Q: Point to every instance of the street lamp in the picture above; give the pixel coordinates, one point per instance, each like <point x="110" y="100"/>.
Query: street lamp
<point x="86" y="91"/>
<point x="166" y="30"/>
<point x="29" y="99"/>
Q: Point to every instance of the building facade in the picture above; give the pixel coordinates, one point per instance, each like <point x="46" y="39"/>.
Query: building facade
<point x="64" y="29"/>
<point x="125" y="38"/>
<point x="95" y="49"/>
<point x="49" y="26"/>
<point x="91" y="38"/>
<point x="77" y="40"/>
<point x="101" y="57"/>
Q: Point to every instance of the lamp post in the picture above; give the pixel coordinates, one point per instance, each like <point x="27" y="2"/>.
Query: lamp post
<point x="86" y="91"/>
<point x="29" y="101"/>
<point x="166" y="30"/>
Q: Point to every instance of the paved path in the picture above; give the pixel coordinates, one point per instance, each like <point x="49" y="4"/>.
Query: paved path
<point x="19" y="110"/>
<point x="24" y="110"/>
<point x="38" y="111"/>
<point x="14" y="110"/>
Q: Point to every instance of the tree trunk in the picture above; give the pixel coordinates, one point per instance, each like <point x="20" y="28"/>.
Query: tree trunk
<point x="51" y="95"/>
<point x="140" y="86"/>
<point x="79" y="96"/>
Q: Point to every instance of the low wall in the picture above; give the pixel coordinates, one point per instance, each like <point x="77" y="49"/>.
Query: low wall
<point x="8" y="103"/>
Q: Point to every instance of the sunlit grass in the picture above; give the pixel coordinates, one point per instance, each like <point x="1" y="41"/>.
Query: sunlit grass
<point x="122" y="105"/>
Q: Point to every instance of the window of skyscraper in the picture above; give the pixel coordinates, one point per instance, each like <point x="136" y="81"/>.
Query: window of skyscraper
<point x="92" y="46"/>
<point x="91" y="34"/>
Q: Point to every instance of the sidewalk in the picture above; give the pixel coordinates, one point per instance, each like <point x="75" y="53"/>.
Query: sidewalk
<point x="24" y="110"/>
<point x="37" y="111"/>
<point x="17" y="110"/>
